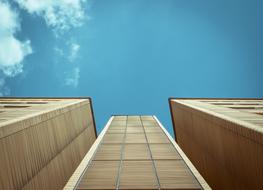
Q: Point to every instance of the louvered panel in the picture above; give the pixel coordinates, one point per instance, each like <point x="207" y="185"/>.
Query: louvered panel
<point x="147" y="118"/>
<point x="157" y="138"/>
<point x="135" y="138"/>
<point x="131" y="129"/>
<point x="138" y="175"/>
<point x="116" y="130"/>
<point x="100" y="175"/>
<point x="153" y="130"/>
<point x="108" y="152"/>
<point x="136" y="152"/>
<point x="113" y="138"/>
<point x="164" y="151"/>
<point x="174" y="174"/>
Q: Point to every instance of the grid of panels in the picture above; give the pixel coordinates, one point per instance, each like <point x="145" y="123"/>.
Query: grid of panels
<point x="136" y="154"/>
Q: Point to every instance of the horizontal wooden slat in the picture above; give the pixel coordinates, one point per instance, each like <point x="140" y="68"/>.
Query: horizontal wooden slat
<point x="138" y="175"/>
<point x="108" y="152"/>
<point x="135" y="138"/>
<point x="113" y="138"/>
<point x="157" y="138"/>
<point x="174" y="174"/>
<point x="136" y="152"/>
<point x="164" y="151"/>
<point x="100" y="175"/>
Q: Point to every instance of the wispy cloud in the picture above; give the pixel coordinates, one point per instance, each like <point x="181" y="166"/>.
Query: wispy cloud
<point x="74" y="50"/>
<point x="59" y="51"/>
<point x="61" y="15"/>
<point x="73" y="78"/>
<point x="12" y="50"/>
<point x="69" y="52"/>
<point x="4" y="90"/>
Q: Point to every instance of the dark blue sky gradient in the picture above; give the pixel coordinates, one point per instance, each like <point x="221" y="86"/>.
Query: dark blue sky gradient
<point x="136" y="53"/>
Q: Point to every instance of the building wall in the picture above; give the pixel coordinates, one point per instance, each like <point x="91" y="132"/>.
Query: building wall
<point x="135" y="152"/>
<point x="226" y="153"/>
<point x="41" y="148"/>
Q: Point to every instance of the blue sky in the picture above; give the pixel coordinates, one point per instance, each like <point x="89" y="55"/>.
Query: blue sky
<point x="131" y="55"/>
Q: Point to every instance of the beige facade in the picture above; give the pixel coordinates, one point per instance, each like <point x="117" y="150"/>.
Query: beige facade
<point x="43" y="140"/>
<point x="223" y="138"/>
<point x="135" y="152"/>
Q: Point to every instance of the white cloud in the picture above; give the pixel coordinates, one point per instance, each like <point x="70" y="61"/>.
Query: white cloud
<point x="12" y="50"/>
<point x="59" y="51"/>
<point x="73" y="78"/>
<point x="69" y="51"/>
<point x="58" y="14"/>
<point x="4" y="90"/>
<point x="74" y="50"/>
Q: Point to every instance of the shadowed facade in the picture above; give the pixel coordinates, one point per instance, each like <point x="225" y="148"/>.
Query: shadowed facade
<point x="43" y="140"/>
<point x="223" y="138"/>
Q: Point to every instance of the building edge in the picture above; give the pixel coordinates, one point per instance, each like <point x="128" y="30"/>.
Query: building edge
<point x="202" y="182"/>
<point x="59" y="97"/>
<point x="170" y="99"/>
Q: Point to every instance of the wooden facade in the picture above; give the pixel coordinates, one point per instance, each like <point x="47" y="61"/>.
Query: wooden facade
<point x="223" y="138"/>
<point x="43" y="140"/>
<point x="135" y="152"/>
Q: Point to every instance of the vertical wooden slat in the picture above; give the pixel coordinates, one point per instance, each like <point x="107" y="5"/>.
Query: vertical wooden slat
<point x="42" y="146"/>
<point x="222" y="140"/>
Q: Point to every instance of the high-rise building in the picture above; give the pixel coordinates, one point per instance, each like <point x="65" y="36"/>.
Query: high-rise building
<point x="223" y="138"/>
<point x="43" y="140"/>
<point x="135" y="152"/>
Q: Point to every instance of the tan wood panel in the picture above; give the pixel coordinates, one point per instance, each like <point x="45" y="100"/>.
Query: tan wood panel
<point x="164" y="151"/>
<point x="134" y="124"/>
<point x="117" y="127"/>
<point x="113" y="138"/>
<point x="117" y="118"/>
<point x="135" y="138"/>
<point x="116" y="130"/>
<point x="157" y="138"/>
<point x="138" y="175"/>
<point x="131" y="129"/>
<point x="108" y="152"/>
<point x="100" y="175"/>
<point x="174" y="174"/>
<point x="136" y="152"/>
<point x="118" y="123"/>
<point x="149" y="123"/>
<point x="133" y="117"/>
<point x="147" y="118"/>
<point x="153" y="130"/>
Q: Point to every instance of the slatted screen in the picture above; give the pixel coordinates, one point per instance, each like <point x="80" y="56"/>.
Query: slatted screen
<point x="223" y="138"/>
<point x="135" y="153"/>
<point x="42" y="144"/>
